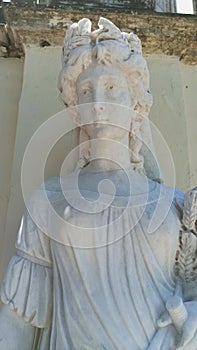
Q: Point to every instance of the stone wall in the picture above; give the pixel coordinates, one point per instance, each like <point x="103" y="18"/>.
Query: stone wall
<point x="167" y="34"/>
<point x="92" y="4"/>
<point x="110" y="4"/>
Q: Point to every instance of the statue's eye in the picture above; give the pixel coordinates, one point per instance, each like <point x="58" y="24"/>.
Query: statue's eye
<point x="86" y="91"/>
<point x="111" y="87"/>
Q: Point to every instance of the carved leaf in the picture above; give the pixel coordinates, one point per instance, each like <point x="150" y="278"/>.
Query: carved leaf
<point x="104" y="23"/>
<point x="84" y="26"/>
<point x="184" y="258"/>
<point x="190" y="210"/>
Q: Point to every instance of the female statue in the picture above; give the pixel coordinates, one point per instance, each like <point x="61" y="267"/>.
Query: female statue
<point x="98" y="278"/>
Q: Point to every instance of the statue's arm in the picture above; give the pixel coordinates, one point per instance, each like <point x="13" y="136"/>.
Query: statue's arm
<point x="15" y="333"/>
<point x="26" y="290"/>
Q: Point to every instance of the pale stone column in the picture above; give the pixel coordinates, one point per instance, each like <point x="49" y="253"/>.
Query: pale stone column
<point x="165" y="6"/>
<point x="11" y="75"/>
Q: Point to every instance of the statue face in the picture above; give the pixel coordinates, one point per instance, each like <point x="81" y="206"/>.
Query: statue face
<point x="103" y="94"/>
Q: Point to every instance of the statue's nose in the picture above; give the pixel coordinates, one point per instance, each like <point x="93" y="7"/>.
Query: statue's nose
<point x="98" y="93"/>
<point x="98" y="107"/>
<point x="98" y="100"/>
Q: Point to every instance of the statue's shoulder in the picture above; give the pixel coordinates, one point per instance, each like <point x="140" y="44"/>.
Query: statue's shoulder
<point x="186" y="206"/>
<point x="57" y="184"/>
<point x="49" y="194"/>
<point x="178" y="200"/>
<point x="52" y="185"/>
<point x="51" y="189"/>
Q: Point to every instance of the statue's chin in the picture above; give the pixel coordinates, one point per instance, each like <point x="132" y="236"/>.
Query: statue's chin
<point x="104" y="130"/>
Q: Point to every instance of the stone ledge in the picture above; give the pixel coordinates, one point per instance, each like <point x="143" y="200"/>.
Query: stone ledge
<point x="171" y="34"/>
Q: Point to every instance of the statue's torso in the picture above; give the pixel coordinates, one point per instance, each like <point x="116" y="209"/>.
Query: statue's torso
<point x="111" y="277"/>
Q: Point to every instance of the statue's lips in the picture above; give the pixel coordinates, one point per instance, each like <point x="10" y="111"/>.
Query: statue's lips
<point x="98" y="121"/>
<point x="101" y="123"/>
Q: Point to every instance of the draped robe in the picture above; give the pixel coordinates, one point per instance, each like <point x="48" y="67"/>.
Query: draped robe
<point x="100" y="280"/>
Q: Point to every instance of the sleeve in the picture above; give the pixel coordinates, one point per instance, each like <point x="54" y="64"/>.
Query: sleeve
<point x="27" y="285"/>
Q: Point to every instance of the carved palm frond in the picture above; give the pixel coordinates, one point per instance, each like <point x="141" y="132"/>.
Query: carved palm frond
<point x="184" y="258"/>
<point x="190" y="210"/>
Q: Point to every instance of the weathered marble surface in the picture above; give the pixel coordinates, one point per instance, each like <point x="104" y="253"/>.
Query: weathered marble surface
<point x="94" y="268"/>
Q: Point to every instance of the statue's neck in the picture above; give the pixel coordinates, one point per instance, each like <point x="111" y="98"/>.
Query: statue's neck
<point x="108" y="154"/>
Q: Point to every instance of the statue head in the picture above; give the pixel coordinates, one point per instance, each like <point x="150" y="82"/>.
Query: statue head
<point x="113" y="54"/>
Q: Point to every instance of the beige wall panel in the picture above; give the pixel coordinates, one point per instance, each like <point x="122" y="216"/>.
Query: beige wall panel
<point x="39" y="101"/>
<point x="11" y="75"/>
<point x="168" y="114"/>
<point x="189" y="86"/>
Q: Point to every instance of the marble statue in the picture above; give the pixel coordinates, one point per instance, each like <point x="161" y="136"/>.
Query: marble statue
<point x="101" y="278"/>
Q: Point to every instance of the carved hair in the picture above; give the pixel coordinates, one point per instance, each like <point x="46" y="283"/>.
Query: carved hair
<point x="107" y="45"/>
